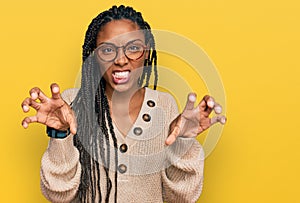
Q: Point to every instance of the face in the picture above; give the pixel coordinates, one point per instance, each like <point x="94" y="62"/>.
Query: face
<point x="120" y="72"/>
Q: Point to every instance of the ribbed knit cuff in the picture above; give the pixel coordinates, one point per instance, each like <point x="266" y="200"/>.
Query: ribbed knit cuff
<point x="62" y="150"/>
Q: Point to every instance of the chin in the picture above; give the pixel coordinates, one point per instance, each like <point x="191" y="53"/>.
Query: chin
<point x="124" y="87"/>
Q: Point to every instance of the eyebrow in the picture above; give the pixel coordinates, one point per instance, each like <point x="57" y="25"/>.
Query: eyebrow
<point x="122" y="45"/>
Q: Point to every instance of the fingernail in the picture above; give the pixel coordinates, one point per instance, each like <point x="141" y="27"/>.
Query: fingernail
<point x="223" y="120"/>
<point x="210" y="103"/>
<point x="218" y="109"/>
<point x="192" y="98"/>
<point x="34" y="95"/>
<point x="25" y="108"/>
<point x="25" y="125"/>
<point x="55" y="89"/>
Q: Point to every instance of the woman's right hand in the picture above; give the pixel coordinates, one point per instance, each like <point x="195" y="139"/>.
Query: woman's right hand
<point x="53" y="112"/>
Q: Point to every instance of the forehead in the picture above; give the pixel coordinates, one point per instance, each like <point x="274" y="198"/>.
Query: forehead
<point x="119" y="32"/>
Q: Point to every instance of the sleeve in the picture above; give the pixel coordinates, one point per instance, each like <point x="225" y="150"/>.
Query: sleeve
<point x="183" y="177"/>
<point x="60" y="167"/>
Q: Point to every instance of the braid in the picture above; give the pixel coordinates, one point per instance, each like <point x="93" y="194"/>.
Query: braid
<point x="111" y="128"/>
<point x="95" y="127"/>
<point x="104" y="129"/>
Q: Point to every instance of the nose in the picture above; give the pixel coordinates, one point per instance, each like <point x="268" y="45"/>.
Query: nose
<point x="121" y="58"/>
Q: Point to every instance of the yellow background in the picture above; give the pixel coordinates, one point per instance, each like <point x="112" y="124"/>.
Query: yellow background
<point x="254" y="45"/>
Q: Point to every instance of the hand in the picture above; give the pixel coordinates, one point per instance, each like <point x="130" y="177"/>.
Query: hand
<point x="53" y="112"/>
<point x="193" y="121"/>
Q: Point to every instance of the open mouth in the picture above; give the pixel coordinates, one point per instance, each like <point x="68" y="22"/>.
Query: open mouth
<point x="120" y="77"/>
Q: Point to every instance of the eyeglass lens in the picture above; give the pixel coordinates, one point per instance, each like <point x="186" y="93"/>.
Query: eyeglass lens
<point x="132" y="50"/>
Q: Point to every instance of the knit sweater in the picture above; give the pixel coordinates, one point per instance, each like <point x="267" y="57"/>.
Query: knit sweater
<point x="149" y="171"/>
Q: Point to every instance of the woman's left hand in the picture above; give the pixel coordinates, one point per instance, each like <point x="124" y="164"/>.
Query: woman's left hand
<point x="194" y="120"/>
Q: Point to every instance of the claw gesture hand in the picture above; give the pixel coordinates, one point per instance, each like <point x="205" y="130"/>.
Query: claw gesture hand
<point x="53" y="112"/>
<point x="194" y="120"/>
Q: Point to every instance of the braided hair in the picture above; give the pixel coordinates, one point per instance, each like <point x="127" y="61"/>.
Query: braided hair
<point x="92" y="109"/>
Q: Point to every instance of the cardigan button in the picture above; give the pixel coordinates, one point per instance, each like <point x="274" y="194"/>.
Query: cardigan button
<point x="123" y="148"/>
<point x="150" y="103"/>
<point x="146" y="117"/>
<point x="137" y="131"/>
<point x="122" y="168"/>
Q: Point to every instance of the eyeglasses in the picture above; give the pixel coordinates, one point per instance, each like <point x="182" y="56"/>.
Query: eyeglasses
<point x="133" y="50"/>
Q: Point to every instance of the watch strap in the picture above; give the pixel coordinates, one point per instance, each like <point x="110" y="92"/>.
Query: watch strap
<point x="59" y="134"/>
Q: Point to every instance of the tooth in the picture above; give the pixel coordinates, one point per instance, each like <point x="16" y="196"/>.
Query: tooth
<point x="121" y="74"/>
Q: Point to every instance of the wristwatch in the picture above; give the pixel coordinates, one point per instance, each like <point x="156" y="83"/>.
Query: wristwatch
<point x="60" y="134"/>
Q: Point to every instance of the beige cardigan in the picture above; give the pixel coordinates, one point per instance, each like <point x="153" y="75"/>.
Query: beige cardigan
<point x="154" y="172"/>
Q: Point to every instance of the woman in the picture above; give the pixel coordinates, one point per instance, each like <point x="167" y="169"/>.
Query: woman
<point x="114" y="139"/>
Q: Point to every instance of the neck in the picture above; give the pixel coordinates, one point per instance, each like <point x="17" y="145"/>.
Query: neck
<point x="123" y="97"/>
<point x="125" y="107"/>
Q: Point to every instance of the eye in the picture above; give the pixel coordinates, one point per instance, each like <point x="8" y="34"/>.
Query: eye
<point x="134" y="47"/>
<point x="107" y="50"/>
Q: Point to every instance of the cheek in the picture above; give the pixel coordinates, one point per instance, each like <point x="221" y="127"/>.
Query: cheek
<point x="140" y="63"/>
<point x="139" y="71"/>
<point x="105" y="68"/>
<point x="138" y="67"/>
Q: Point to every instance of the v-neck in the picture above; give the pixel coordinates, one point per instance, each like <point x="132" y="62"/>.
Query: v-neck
<point x="139" y="123"/>
<point x="138" y="116"/>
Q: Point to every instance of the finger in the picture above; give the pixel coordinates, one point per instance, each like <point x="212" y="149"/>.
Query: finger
<point x="30" y="102"/>
<point x="73" y="128"/>
<point x="217" y="108"/>
<point x="25" y="108"/>
<point x="25" y="104"/>
<point x="207" y="104"/>
<point x="73" y="124"/>
<point x="55" y="91"/>
<point x="190" y="103"/>
<point x="36" y="93"/>
<point x="218" y="119"/>
<point x="172" y="137"/>
<point x="26" y="121"/>
<point x="35" y="105"/>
